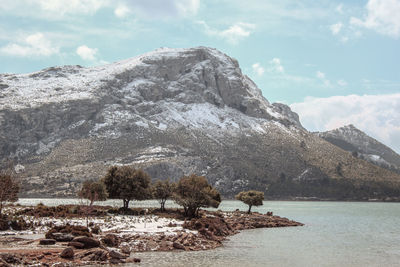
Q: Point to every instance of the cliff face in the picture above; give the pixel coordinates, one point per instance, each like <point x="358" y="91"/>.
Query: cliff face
<point x="172" y="112"/>
<point x="363" y="146"/>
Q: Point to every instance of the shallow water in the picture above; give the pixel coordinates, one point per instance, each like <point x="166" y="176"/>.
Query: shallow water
<point x="335" y="234"/>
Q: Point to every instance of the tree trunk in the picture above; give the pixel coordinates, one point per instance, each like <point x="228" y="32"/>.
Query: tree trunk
<point x="249" y="209"/>
<point x="185" y="210"/>
<point x="191" y="211"/>
<point x="163" y="205"/>
<point x="126" y="203"/>
<point x="88" y="211"/>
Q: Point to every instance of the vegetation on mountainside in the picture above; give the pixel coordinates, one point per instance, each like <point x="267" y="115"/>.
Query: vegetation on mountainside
<point x="339" y="189"/>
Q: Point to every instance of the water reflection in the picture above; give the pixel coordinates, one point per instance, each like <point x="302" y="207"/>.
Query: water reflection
<point x="335" y="234"/>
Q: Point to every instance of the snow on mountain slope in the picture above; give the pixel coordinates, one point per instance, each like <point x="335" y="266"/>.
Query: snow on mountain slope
<point x="170" y="111"/>
<point x="354" y="140"/>
<point x="152" y="89"/>
<point x="60" y="84"/>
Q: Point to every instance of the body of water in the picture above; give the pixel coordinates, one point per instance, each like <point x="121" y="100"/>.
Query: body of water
<point x="335" y="234"/>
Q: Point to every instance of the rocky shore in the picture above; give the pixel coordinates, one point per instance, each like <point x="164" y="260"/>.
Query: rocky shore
<point x="114" y="238"/>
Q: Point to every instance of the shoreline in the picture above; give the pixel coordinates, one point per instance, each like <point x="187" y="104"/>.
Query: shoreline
<point x="123" y="235"/>
<point x="295" y="199"/>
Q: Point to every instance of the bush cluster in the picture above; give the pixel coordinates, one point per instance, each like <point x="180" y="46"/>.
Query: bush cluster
<point x="126" y="183"/>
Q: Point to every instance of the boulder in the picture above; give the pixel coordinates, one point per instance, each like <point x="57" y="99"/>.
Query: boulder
<point x="116" y="255"/>
<point x="172" y="224"/>
<point x="94" y="255"/>
<point x="67" y="253"/>
<point x="62" y="237"/>
<point x="166" y="245"/>
<point x="88" y="242"/>
<point x="151" y="245"/>
<point x="111" y="240"/>
<point x="47" y="242"/>
<point x="114" y="261"/>
<point x="135" y="260"/>
<point x="77" y="245"/>
<point x="10" y="258"/>
<point x="125" y="248"/>
<point x="178" y="245"/>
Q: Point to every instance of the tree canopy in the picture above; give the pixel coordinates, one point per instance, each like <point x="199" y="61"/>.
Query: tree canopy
<point x="9" y="188"/>
<point x="194" y="192"/>
<point x="127" y="183"/>
<point x="163" y="190"/>
<point x="251" y="198"/>
<point x="93" y="191"/>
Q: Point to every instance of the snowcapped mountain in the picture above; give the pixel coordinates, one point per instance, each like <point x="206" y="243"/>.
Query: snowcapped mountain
<point x="172" y="112"/>
<point x="363" y="146"/>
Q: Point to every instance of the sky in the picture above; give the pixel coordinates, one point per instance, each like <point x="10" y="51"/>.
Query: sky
<point x="334" y="62"/>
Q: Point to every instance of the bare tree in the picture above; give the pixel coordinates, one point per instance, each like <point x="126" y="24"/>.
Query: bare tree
<point x="92" y="191"/>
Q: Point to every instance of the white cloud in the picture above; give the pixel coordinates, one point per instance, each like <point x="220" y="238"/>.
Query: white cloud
<point x="32" y="45"/>
<point x="382" y="16"/>
<point x="258" y="69"/>
<point x="54" y="9"/>
<point x="87" y="53"/>
<point x="377" y="115"/>
<point x="233" y="34"/>
<point x="342" y="83"/>
<point x="187" y="7"/>
<point x="344" y="39"/>
<point x="320" y="75"/>
<point x="335" y="28"/>
<point x="237" y="32"/>
<point x="277" y="77"/>
<point x="122" y="11"/>
<point x="339" y="8"/>
<point x="276" y="65"/>
<point x="63" y="7"/>
<point x="154" y="9"/>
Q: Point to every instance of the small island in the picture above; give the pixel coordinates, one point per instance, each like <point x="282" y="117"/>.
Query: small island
<point x="73" y="235"/>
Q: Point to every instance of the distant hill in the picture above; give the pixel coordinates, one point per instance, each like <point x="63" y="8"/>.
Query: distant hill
<point x="172" y="112"/>
<point x="363" y="146"/>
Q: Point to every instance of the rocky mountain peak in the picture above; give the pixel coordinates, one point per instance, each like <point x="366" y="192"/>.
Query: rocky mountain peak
<point x="189" y="76"/>
<point x="352" y="139"/>
<point x="199" y="75"/>
<point x="350" y="126"/>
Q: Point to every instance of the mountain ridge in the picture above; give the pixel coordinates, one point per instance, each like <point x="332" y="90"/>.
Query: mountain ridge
<point x="352" y="139"/>
<point x="172" y="112"/>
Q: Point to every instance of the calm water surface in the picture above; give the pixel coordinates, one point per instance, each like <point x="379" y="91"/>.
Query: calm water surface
<point x="335" y="234"/>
